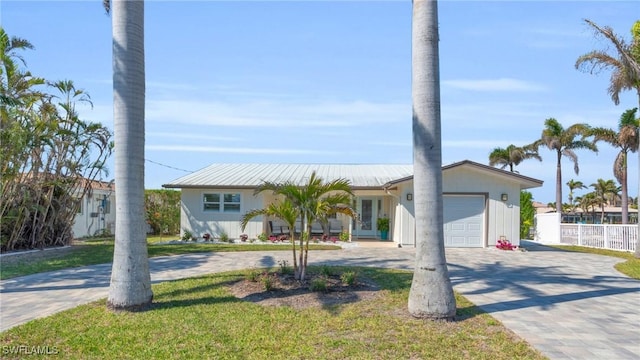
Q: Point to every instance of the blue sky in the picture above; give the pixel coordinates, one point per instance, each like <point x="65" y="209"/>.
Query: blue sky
<point x="330" y="82"/>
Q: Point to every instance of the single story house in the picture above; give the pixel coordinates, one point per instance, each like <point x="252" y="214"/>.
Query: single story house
<point x="481" y="203"/>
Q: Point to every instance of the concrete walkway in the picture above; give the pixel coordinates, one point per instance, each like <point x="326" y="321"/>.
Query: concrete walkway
<point x="567" y="305"/>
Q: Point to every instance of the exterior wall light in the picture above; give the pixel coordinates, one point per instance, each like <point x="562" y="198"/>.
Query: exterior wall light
<point x="409" y="196"/>
<point x="504" y="197"/>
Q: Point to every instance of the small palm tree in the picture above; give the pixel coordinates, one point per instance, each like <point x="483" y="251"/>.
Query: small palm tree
<point x="563" y="141"/>
<point x="605" y="192"/>
<point x="512" y="156"/>
<point x="285" y="211"/>
<point x="573" y="185"/>
<point x="588" y="201"/>
<point x="625" y="139"/>
<point x="314" y="200"/>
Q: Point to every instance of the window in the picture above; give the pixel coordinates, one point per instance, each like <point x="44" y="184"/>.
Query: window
<point x="229" y="203"/>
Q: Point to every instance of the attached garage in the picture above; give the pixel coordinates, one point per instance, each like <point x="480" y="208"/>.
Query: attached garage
<point x="463" y="217"/>
<point x="481" y="204"/>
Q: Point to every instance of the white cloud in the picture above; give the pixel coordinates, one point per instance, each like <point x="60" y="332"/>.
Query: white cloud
<point x="276" y="114"/>
<point x="242" y="150"/>
<point x="503" y="84"/>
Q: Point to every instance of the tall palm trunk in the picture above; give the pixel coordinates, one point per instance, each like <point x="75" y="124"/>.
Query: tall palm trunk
<point x="130" y="287"/>
<point x="431" y="294"/>
<point x="559" y="183"/>
<point x="624" y="201"/>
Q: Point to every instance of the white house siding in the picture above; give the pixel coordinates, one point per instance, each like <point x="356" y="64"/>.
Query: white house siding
<point x="194" y="219"/>
<point x="92" y="218"/>
<point x="502" y="218"/>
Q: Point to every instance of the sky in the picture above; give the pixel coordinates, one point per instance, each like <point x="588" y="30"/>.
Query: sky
<point x="330" y="81"/>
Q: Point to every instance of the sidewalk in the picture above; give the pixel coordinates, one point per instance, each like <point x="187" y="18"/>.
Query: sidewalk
<point x="567" y="305"/>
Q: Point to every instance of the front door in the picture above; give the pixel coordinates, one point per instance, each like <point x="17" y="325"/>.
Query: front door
<point x="367" y="208"/>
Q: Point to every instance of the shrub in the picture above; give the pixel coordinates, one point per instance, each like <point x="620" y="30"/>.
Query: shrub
<point x="224" y="237"/>
<point x="244" y="237"/>
<point x="187" y="235"/>
<point x="268" y="282"/>
<point x="263" y="237"/>
<point x="318" y="285"/>
<point x="284" y="267"/>
<point x="325" y="270"/>
<point x="253" y="276"/>
<point x="349" y="277"/>
<point x="206" y="237"/>
<point x="344" y="236"/>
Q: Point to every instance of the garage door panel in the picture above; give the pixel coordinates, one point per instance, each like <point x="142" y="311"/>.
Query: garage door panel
<point x="463" y="221"/>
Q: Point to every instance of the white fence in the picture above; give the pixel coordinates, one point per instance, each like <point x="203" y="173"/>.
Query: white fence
<point x="612" y="237"/>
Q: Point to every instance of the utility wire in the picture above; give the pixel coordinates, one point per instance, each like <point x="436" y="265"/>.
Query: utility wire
<point x="167" y="166"/>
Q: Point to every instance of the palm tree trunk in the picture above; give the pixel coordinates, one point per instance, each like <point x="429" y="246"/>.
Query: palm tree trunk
<point x="130" y="287"/>
<point x="624" y="202"/>
<point x="559" y="184"/>
<point x="431" y="294"/>
<point x="636" y="254"/>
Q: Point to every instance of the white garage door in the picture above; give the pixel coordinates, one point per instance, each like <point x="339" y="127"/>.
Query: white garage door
<point x="463" y="221"/>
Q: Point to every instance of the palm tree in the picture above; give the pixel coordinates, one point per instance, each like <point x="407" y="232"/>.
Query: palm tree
<point x="624" y="64"/>
<point x="626" y="139"/>
<point x="130" y="287"/>
<point x="573" y="185"/>
<point x="586" y="201"/>
<point x="431" y="295"/>
<point x="313" y="201"/>
<point x="563" y="141"/>
<point x="285" y="211"/>
<point x="512" y="156"/>
<point x="605" y="191"/>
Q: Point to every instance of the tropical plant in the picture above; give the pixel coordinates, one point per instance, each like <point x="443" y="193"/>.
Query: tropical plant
<point x="589" y="201"/>
<point x="383" y="224"/>
<point x="605" y="192"/>
<point x="527" y="213"/>
<point x="314" y="200"/>
<point x="512" y="156"/>
<point x="431" y="295"/>
<point x="130" y="287"/>
<point x="162" y="209"/>
<point x="625" y="70"/>
<point x="625" y="139"/>
<point x="563" y="142"/>
<point x="624" y="63"/>
<point x="574" y="185"/>
<point x="50" y="156"/>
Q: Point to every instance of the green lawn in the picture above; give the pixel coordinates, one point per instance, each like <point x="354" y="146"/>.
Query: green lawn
<point x="631" y="267"/>
<point x="198" y="318"/>
<point x="100" y="251"/>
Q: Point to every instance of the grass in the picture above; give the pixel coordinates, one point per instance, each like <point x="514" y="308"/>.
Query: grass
<point x="100" y="251"/>
<point x="199" y="318"/>
<point x="631" y="267"/>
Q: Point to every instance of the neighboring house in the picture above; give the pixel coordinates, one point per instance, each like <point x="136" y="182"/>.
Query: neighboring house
<point x="612" y="214"/>
<point x="481" y="203"/>
<point x="96" y="215"/>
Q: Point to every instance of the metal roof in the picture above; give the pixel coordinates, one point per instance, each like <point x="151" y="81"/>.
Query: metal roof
<point x="252" y="175"/>
<point x="361" y="176"/>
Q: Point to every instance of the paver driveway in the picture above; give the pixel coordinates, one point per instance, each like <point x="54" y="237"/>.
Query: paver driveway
<point x="567" y="305"/>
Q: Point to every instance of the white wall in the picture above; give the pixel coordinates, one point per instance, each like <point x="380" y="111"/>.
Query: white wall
<point x="547" y="228"/>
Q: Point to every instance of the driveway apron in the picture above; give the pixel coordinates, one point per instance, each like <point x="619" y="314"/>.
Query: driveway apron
<point x="567" y="305"/>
